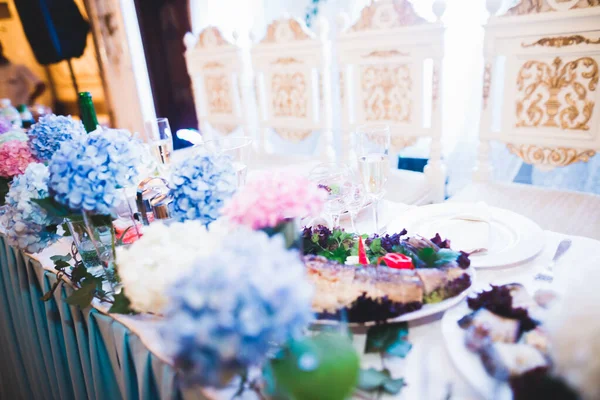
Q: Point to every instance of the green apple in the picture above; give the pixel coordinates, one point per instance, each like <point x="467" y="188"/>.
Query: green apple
<point x="323" y="367"/>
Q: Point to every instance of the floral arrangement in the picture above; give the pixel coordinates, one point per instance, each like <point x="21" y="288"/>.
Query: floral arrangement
<point x="151" y="264"/>
<point x="273" y="198"/>
<point x="25" y="224"/>
<point x="46" y="136"/>
<point x="234" y="305"/>
<point x="13" y="134"/>
<point x="15" y="156"/>
<point x="201" y="185"/>
<point x="87" y="172"/>
<point x="338" y="245"/>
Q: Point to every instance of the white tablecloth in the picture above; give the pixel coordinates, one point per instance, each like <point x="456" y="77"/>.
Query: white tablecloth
<point x="428" y="369"/>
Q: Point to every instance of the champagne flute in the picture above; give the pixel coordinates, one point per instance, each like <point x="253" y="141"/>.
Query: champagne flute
<point x="160" y="139"/>
<point x="332" y="177"/>
<point x="239" y="149"/>
<point x="372" y="149"/>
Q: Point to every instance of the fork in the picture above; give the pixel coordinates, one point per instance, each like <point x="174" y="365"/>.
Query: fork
<point x="562" y="248"/>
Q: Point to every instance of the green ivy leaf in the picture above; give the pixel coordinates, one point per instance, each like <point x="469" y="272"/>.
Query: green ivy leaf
<point x="400" y="348"/>
<point x="4" y="187"/>
<point x="121" y="304"/>
<point x="66" y="230"/>
<point x="78" y="273"/>
<point x="53" y="208"/>
<point x="61" y="262"/>
<point x="52" y="228"/>
<point x="65" y="258"/>
<point x="389" y="339"/>
<point x="48" y="295"/>
<point x="372" y="380"/>
<point x="394" y="386"/>
<point x="60" y="265"/>
<point x="83" y="297"/>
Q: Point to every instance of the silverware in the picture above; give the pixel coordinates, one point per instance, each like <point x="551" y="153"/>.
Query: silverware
<point x="562" y="248"/>
<point x="475" y="251"/>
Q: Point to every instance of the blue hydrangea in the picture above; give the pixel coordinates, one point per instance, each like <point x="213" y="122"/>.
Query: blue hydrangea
<point x="234" y="305"/>
<point x="49" y="132"/>
<point x="87" y="172"/>
<point x="25" y="224"/>
<point x="200" y="186"/>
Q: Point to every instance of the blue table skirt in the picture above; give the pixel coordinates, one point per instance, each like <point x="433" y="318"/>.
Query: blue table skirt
<point x="50" y="350"/>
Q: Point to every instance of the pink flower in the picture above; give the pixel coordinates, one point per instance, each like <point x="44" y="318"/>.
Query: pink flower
<point x="267" y="201"/>
<point x="15" y="156"/>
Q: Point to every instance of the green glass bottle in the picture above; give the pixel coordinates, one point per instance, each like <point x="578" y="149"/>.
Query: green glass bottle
<point x="26" y="116"/>
<point x="87" y="112"/>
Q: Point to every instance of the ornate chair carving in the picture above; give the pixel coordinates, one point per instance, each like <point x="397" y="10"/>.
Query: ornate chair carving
<point x="215" y="66"/>
<point x="547" y="111"/>
<point x="292" y="88"/>
<point x="385" y="78"/>
<point x="541" y="98"/>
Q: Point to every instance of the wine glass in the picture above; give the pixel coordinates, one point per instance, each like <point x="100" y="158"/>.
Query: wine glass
<point x="239" y="149"/>
<point x="354" y="200"/>
<point x="332" y="177"/>
<point x="160" y="139"/>
<point x="372" y="149"/>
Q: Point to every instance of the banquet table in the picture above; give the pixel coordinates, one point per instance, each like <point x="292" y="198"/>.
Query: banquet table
<point x="55" y="351"/>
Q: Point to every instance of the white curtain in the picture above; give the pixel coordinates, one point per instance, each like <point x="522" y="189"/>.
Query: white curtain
<point x="582" y="177"/>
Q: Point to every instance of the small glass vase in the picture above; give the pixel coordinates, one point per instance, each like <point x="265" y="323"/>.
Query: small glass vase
<point x="290" y="231"/>
<point x="94" y="237"/>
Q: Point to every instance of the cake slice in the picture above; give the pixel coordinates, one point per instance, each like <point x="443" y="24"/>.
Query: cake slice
<point x="500" y="329"/>
<point x="362" y="293"/>
<point x="442" y="283"/>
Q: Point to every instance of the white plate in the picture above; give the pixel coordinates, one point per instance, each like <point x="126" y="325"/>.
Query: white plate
<point x="468" y="363"/>
<point x="426" y="311"/>
<point x="514" y="238"/>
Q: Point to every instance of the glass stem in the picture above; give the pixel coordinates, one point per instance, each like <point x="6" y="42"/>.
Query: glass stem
<point x="353" y="216"/>
<point x="335" y="219"/>
<point x="376" y="214"/>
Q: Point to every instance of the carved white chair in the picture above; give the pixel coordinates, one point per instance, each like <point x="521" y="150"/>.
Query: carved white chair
<point x="215" y="66"/>
<point x="541" y="99"/>
<point x="292" y="87"/>
<point x="390" y="70"/>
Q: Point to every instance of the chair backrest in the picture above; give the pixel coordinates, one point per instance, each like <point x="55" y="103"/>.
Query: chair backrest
<point x="215" y="66"/>
<point x="292" y="85"/>
<point x="540" y="92"/>
<point x="390" y="72"/>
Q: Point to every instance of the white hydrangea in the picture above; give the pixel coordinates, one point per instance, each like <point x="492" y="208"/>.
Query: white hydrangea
<point x="13" y="134"/>
<point x="574" y="329"/>
<point x="25" y="224"/>
<point x="150" y="265"/>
